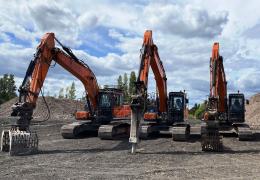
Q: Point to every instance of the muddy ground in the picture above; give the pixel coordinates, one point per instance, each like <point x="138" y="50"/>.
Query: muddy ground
<point x="160" y="158"/>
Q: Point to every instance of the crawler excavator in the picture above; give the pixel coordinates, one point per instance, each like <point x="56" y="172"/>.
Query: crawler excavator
<point x="170" y="114"/>
<point x="104" y="106"/>
<point x="222" y="113"/>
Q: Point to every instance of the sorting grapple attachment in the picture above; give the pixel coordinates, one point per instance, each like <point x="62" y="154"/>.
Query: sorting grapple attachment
<point x="211" y="140"/>
<point x="18" y="142"/>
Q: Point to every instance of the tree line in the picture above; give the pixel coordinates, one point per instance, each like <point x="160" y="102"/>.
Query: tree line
<point x="198" y="110"/>
<point x="127" y="84"/>
<point x="7" y="88"/>
<point x="68" y="93"/>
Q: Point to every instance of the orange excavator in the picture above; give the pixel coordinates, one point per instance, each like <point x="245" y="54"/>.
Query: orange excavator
<point x="171" y="109"/>
<point x="222" y="113"/>
<point x="104" y="106"/>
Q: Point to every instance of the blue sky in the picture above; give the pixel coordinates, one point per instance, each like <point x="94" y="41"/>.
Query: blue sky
<point x="107" y="35"/>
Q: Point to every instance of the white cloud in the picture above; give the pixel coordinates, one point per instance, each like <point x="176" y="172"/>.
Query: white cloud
<point x="187" y="21"/>
<point x="184" y="32"/>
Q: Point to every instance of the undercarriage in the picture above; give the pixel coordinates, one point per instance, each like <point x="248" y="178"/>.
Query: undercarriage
<point x="179" y="131"/>
<point x="211" y="134"/>
<point x="113" y="130"/>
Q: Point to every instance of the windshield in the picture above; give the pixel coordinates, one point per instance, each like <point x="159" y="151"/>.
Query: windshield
<point x="176" y="103"/>
<point x="118" y="99"/>
<point x="236" y="104"/>
<point x="104" y="100"/>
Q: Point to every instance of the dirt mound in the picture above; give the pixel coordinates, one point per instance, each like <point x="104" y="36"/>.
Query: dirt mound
<point x="59" y="108"/>
<point x="253" y="111"/>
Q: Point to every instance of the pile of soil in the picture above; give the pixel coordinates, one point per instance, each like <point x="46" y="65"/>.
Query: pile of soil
<point x="253" y="111"/>
<point x="59" y="108"/>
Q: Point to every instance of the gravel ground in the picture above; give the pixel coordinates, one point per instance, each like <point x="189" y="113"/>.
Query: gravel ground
<point x="161" y="158"/>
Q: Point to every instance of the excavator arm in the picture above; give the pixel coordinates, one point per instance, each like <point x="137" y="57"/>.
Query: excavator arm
<point x="20" y="139"/>
<point x="218" y="83"/>
<point x="219" y="113"/>
<point x="217" y="104"/>
<point x="37" y="71"/>
<point x="149" y="58"/>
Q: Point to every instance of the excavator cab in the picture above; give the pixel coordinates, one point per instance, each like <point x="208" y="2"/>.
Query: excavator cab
<point x="236" y="108"/>
<point x="109" y="99"/>
<point x="176" y="107"/>
<point x="177" y="113"/>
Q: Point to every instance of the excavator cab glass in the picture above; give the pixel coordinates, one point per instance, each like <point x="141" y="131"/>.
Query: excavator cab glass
<point x="104" y="100"/>
<point x="236" y="110"/>
<point x="152" y="104"/>
<point x="104" y="108"/>
<point x="176" y="107"/>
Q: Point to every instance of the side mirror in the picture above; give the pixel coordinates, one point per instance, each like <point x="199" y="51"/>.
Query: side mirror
<point x="247" y="101"/>
<point x="187" y="101"/>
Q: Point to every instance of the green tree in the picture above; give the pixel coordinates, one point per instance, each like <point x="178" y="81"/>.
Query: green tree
<point x="125" y="87"/>
<point x="67" y="92"/>
<point x="199" y="113"/>
<point x="132" y="81"/>
<point x="72" y="91"/>
<point x="193" y="109"/>
<point x="120" y="81"/>
<point x="7" y="88"/>
<point x="61" y="93"/>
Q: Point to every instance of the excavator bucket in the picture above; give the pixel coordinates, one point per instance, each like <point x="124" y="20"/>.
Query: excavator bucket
<point x="18" y="142"/>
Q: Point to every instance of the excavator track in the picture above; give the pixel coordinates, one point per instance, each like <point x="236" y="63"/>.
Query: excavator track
<point x="114" y="130"/>
<point x="147" y="131"/>
<point x="18" y="142"/>
<point x="181" y="132"/>
<point x="244" y="132"/>
<point x="211" y="139"/>
<point x="73" y="130"/>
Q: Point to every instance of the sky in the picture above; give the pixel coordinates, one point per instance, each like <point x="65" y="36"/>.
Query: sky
<point x="107" y="35"/>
